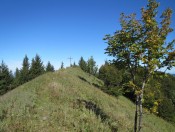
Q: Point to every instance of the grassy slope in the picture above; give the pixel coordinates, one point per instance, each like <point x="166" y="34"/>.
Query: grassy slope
<point x="52" y="102"/>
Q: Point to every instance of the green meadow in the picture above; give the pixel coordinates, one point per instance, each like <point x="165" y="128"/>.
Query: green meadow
<point x="70" y="100"/>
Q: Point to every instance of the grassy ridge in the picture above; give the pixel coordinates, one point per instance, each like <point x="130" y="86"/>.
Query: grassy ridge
<point x="68" y="100"/>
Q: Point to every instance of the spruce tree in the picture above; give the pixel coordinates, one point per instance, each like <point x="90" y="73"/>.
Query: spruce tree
<point x="91" y="66"/>
<point x="11" y="80"/>
<point x="74" y="65"/>
<point x="17" y="78"/>
<point x="49" y="67"/>
<point x="6" y="78"/>
<point x="24" y="73"/>
<point x="37" y="67"/>
<point x="83" y="64"/>
<point x="62" y="65"/>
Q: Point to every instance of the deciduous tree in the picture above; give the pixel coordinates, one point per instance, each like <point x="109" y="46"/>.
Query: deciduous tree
<point x="110" y="75"/>
<point x="142" y="43"/>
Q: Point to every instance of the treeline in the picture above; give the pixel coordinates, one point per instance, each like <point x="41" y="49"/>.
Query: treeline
<point x="89" y="66"/>
<point x="29" y="71"/>
<point x="9" y="81"/>
<point x="159" y="97"/>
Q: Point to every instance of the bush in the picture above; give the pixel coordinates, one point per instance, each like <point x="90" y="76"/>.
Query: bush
<point x="115" y="91"/>
<point x="166" y="109"/>
<point x="110" y="75"/>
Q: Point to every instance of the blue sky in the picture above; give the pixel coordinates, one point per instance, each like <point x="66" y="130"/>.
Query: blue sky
<point x="58" y="29"/>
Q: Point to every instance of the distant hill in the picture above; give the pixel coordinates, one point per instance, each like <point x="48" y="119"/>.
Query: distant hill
<point x="68" y="100"/>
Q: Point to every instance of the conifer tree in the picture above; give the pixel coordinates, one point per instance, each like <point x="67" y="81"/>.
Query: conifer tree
<point x="74" y="65"/>
<point x="62" y="65"/>
<point x="49" y="67"/>
<point x="37" y="67"/>
<point x="24" y="73"/>
<point x="17" y="78"/>
<point x="6" y="78"/>
<point x="91" y="66"/>
<point x="83" y="64"/>
<point x="11" y="80"/>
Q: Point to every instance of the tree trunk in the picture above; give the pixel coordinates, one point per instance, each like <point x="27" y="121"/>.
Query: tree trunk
<point x="136" y="114"/>
<point x="140" y="107"/>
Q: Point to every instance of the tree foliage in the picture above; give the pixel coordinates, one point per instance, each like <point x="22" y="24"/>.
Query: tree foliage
<point x="6" y="78"/>
<point x="49" y="67"/>
<point x="166" y="109"/>
<point x="24" y="72"/>
<point x="62" y="65"/>
<point x="88" y="66"/>
<point x="74" y="64"/>
<point x="112" y="78"/>
<point x="83" y="64"/>
<point x="37" y="67"/>
<point x="142" y="43"/>
<point x="16" y="78"/>
<point x="91" y="66"/>
<point x="110" y="75"/>
<point x="9" y="81"/>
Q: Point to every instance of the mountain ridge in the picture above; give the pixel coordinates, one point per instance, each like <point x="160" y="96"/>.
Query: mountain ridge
<point x="68" y="100"/>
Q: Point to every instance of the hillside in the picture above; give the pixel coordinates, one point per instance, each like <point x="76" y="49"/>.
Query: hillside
<point x="68" y="100"/>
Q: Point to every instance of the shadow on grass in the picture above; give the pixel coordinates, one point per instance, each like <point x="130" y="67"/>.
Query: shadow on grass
<point x="98" y="112"/>
<point x="94" y="108"/>
<point x="3" y="115"/>
<point x="83" y="79"/>
<point x="94" y="84"/>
